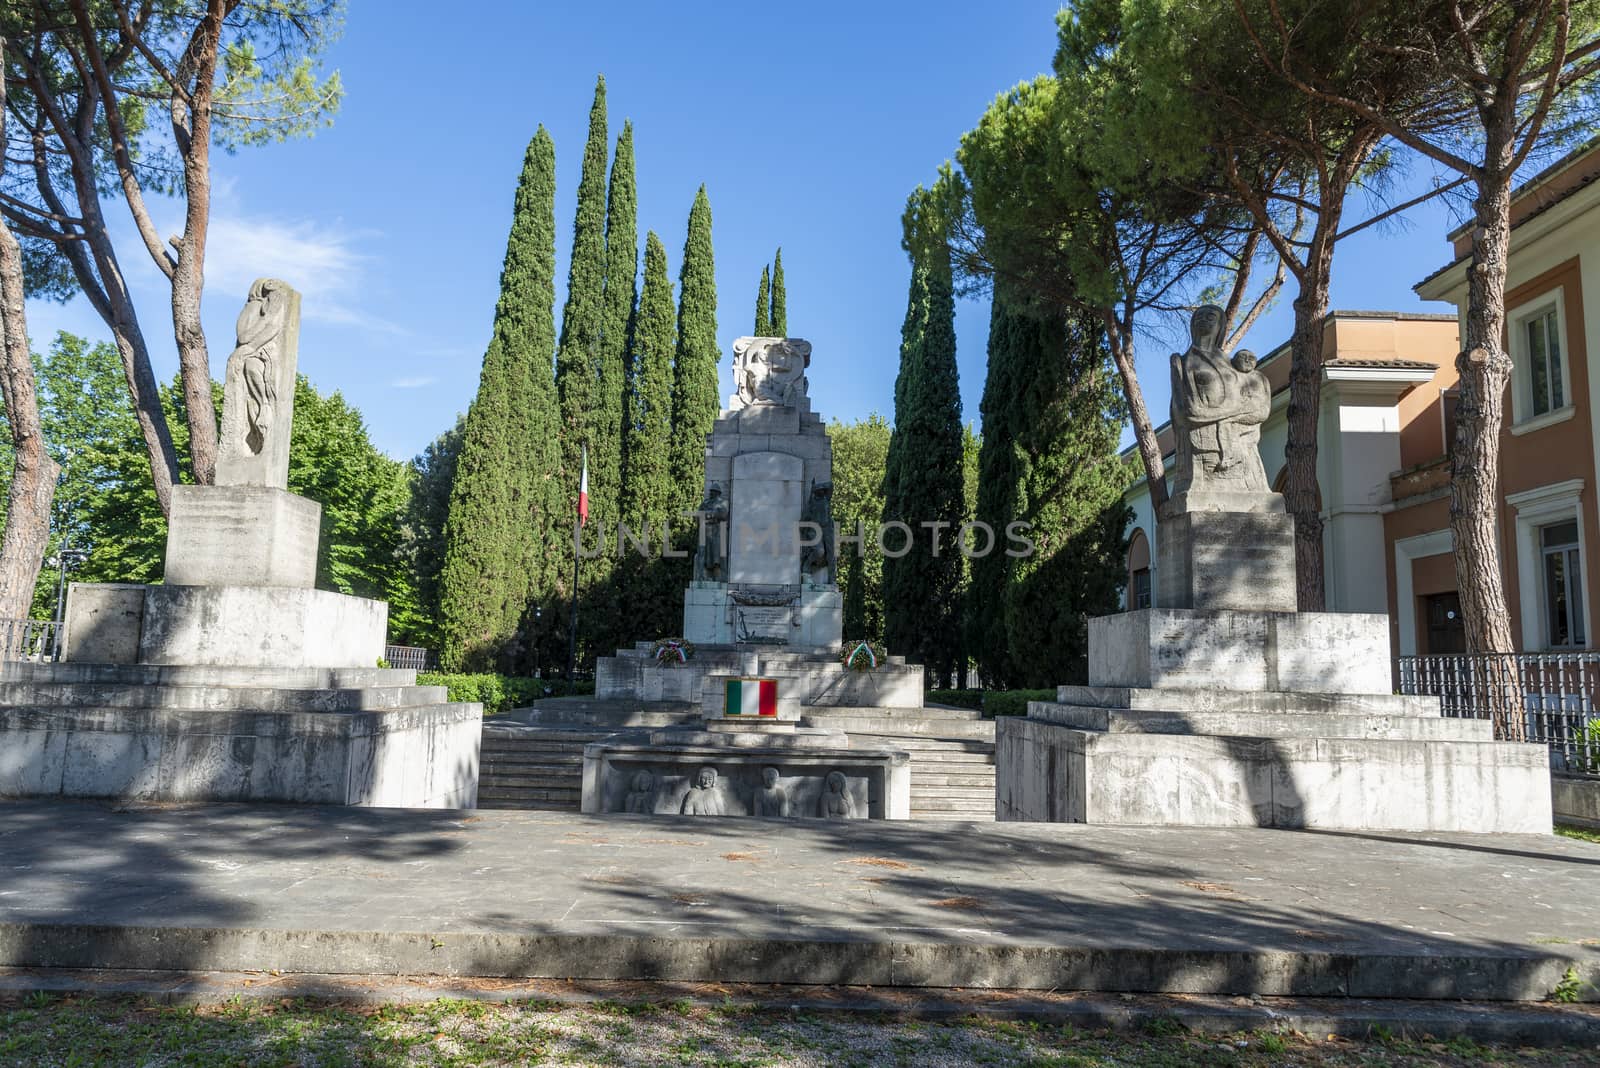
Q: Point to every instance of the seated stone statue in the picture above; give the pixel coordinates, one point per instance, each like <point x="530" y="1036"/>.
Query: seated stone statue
<point x="836" y="803"/>
<point x="771" y="798"/>
<point x="1218" y="407"/>
<point x="702" y="798"/>
<point x="641" y="798"/>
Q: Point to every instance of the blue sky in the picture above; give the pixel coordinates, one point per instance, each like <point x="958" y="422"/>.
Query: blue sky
<point x="809" y="125"/>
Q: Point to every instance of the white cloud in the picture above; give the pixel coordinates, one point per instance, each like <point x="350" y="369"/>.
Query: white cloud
<point x="319" y="260"/>
<point x="413" y="383"/>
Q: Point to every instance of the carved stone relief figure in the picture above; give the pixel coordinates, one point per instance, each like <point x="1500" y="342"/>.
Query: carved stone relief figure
<point x="258" y="389"/>
<point x="836" y="803"/>
<point x="771" y="370"/>
<point x="711" y="557"/>
<point x="642" y="794"/>
<point x="703" y="798"/>
<point x="818" y="562"/>
<point x="1218" y="407"/>
<point x="772" y="798"/>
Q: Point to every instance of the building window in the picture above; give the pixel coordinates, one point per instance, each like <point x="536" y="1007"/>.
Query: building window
<point x="1545" y="390"/>
<point x="1563" y="584"/>
<point x="1140" y="593"/>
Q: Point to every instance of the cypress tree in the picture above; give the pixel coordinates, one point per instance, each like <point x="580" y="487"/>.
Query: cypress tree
<point x="1070" y="480"/>
<point x="923" y="480"/>
<point x="500" y="497"/>
<point x="649" y="490"/>
<point x="997" y="490"/>
<point x="694" y="385"/>
<point x="621" y="292"/>
<point x="578" y="359"/>
<point x="763" y="312"/>
<point x="780" y="300"/>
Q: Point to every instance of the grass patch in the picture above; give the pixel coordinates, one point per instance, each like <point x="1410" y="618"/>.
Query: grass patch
<point x="1582" y="834"/>
<point x="452" y="1032"/>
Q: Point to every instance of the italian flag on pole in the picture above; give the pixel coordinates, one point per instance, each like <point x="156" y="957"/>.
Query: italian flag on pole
<point x="751" y="697"/>
<point x="583" y="490"/>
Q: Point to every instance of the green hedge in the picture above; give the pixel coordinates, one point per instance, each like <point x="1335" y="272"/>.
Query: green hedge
<point x="1012" y="702"/>
<point x="501" y="693"/>
<point x="959" y="698"/>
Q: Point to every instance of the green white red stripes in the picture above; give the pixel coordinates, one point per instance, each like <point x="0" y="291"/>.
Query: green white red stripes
<point x="751" y="697"/>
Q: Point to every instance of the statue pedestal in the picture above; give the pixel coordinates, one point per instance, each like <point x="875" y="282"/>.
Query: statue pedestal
<point x="716" y="613"/>
<point x="242" y="536"/>
<point x="1239" y="559"/>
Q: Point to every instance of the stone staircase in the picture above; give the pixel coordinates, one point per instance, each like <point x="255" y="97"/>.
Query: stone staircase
<point x="952" y="754"/>
<point x="533" y="758"/>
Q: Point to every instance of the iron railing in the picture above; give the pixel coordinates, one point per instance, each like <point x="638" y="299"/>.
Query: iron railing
<point x="1558" y="693"/>
<point x="410" y="656"/>
<point x="30" y="639"/>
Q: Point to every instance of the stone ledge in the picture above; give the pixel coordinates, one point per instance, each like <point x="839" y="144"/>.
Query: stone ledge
<point x="1262" y="724"/>
<point x="1278" y="703"/>
<point x="1231" y="650"/>
<point x="1063" y="774"/>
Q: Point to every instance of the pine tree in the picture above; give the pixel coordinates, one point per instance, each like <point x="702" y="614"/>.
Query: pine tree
<point x="649" y="490"/>
<point x="621" y="293"/>
<point x="583" y="318"/>
<point x="923" y="480"/>
<point x="694" y="385"/>
<point x="780" y="300"/>
<point x="763" y="307"/>
<point x="499" y="501"/>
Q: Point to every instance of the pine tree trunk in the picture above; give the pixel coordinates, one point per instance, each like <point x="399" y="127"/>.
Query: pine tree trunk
<point x="33" y="473"/>
<point x="1484" y="368"/>
<point x="1305" y="403"/>
<point x="1120" y="342"/>
<point x="188" y="276"/>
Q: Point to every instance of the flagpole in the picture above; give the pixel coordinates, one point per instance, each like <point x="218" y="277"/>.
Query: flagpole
<point x="577" y="544"/>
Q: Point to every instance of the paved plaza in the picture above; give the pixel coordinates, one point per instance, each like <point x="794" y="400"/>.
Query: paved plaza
<point x="364" y="891"/>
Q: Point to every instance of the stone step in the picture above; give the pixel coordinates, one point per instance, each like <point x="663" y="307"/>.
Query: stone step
<point x="512" y="733"/>
<point x="890" y="712"/>
<point x="216" y="698"/>
<point x="944" y="809"/>
<point x="614" y="713"/>
<point x="942" y="794"/>
<point x="982" y="730"/>
<point x="567" y="783"/>
<point x="1262" y="724"/>
<point x="213" y="723"/>
<point x="526" y="805"/>
<point x="185" y="675"/>
<point x="918" y="744"/>
<point x="1263" y="701"/>
<point x="535" y="792"/>
<point x="921" y="776"/>
<point x="551" y="761"/>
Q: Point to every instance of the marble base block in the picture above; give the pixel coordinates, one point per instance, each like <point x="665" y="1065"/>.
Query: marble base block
<point x="659" y="780"/>
<point x="1316" y="652"/>
<point x="1052" y="773"/>
<point x="414" y="757"/>
<point x="1222" y="560"/>
<point x="242" y="536"/>
<point x="224" y="625"/>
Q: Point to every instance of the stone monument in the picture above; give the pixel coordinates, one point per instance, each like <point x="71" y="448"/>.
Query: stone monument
<point x="1223" y="705"/>
<point x="763" y="569"/>
<point x="765" y="597"/>
<point x="236" y="679"/>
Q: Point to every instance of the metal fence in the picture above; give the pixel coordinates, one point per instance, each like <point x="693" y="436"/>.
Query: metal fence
<point x="1559" y="694"/>
<point x="30" y="639"/>
<point x="410" y="656"/>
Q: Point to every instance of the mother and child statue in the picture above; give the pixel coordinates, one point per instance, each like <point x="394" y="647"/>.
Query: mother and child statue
<point x="1218" y="406"/>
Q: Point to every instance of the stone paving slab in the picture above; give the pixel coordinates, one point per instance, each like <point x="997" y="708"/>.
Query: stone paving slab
<point x="1021" y="906"/>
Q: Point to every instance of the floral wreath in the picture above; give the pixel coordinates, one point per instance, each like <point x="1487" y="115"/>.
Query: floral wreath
<point x="670" y="652"/>
<point x="862" y="656"/>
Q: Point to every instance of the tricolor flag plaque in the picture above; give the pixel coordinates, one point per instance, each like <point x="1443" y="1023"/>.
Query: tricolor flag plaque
<point x="751" y="697"/>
